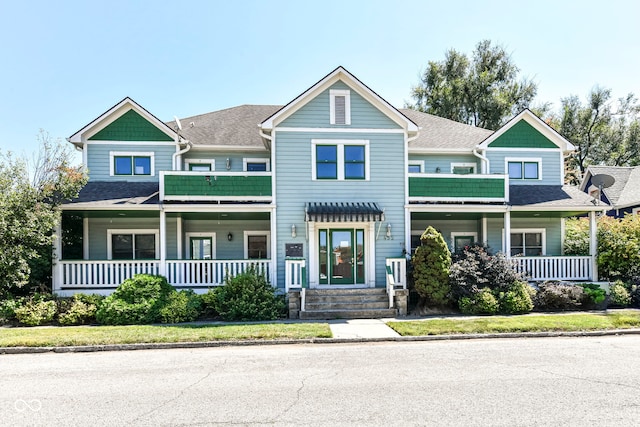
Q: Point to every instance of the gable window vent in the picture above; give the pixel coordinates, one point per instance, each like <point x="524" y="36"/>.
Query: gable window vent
<point x="340" y="107"/>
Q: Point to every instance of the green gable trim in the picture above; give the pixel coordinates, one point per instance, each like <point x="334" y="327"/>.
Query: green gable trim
<point x="522" y="135"/>
<point x="477" y="188"/>
<point x="217" y="185"/>
<point x="131" y="126"/>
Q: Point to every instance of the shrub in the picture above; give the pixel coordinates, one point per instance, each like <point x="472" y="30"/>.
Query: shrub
<point x="619" y="247"/>
<point x="558" y="296"/>
<point x="482" y="302"/>
<point x="431" y="263"/>
<point x="136" y="301"/>
<point x="619" y="295"/>
<point x="247" y="296"/>
<point x="593" y="295"/>
<point x="517" y="300"/>
<point x="8" y="310"/>
<point x="182" y="306"/>
<point x="576" y="236"/>
<point x="36" y="311"/>
<point x="80" y="310"/>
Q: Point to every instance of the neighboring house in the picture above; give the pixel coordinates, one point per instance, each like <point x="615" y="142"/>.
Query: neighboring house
<point x="325" y="192"/>
<point x="623" y="196"/>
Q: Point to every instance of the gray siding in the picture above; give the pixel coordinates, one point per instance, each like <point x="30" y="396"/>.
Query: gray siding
<point x="295" y="187"/>
<point x="446" y="227"/>
<point x="552" y="166"/>
<point x="98" y="160"/>
<point x="225" y="249"/>
<point x="98" y="231"/>
<point x="552" y="226"/>
<point x="316" y="113"/>
<point x="443" y="161"/>
<point x="236" y="159"/>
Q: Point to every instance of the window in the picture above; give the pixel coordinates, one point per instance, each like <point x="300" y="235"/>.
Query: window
<point x="463" y="168"/>
<point x="200" y="165"/>
<point x="523" y="169"/>
<point x="201" y="245"/>
<point x="461" y="239"/>
<point x="257" y="244"/>
<point x="255" y="165"/>
<point x="132" y="244"/>
<point x="126" y="163"/>
<point x="340" y="159"/>
<point x="528" y="242"/>
<point x="416" y="166"/>
<point x="339" y="107"/>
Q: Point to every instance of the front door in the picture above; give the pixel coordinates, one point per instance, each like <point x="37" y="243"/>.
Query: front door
<point x="201" y="248"/>
<point x="341" y="256"/>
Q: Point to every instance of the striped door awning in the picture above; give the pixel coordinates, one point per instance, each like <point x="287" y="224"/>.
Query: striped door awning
<point x="343" y="212"/>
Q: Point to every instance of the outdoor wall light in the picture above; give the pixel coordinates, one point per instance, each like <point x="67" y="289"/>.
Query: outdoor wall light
<point x="438" y="169"/>
<point x="293" y="231"/>
<point x="228" y="163"/>
<point x="229" y="236"/>
<point x="388" y="231"/>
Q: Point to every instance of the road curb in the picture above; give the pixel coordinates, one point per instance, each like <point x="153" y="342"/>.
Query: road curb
<point x="207" y="344"/>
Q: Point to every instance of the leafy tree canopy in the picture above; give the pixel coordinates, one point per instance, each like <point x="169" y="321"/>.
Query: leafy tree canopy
<point x="483" y="91"/>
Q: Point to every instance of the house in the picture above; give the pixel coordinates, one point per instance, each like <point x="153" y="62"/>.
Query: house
<point x="623" y="196"/>
<point x="331" y="191"/>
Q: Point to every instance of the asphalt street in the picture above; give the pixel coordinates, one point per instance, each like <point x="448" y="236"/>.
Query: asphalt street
<point x="498" y="382"/>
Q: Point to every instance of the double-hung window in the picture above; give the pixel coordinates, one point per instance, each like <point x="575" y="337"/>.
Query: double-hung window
<point x="340" y="159"/>
<point x="523" y="168"/>
<point x="255" y="165"/>
<point x="125" y="163"/>
<point x="132" y="244"/>
<point x="200" y="165"/>
<point x="528" y="242"/>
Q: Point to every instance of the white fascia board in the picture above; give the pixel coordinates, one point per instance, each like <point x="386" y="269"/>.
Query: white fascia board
<point x="456" y="208"/>
<point x="217" y="208"/>
<point x="457" y="199"/>
<point x="420" y="150"/>
<point x="114" y="113"/>
<point x="217" y="198"/>
<point x="583" y="208"/>
<point x="538" y="124"/>
<point x="336" y="75"/>
<point x="99" y="207"/>
<point x="228" y="148"/>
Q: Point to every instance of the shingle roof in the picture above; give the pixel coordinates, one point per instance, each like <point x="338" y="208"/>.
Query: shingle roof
<point x="625" y="191"/>
<point x="440" y="133"/>
<point x="117" y="193"/>
<point x="549" y="196"/>
<point x="233" y="127"/>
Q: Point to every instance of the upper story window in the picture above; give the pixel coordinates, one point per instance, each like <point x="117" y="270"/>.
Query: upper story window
<point x="255" y="165"/>
<point x="415" y="166"/>
<point x="200" y="165"/>
<point x="523" y="168"/>
<point x="131" y="163"/>
<point x="463" y="168"/>
<point x="340" y="107"/>
<point x="340" y="159"/>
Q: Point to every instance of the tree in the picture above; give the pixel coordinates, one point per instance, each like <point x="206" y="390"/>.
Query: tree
<point x="484" y="91"/>
<point x="603" y="132"/>
<point x="431" y="263"/>
<point x="28" y="209"/>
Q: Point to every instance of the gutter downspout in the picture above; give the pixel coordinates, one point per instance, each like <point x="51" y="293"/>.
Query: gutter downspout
<point x="177" y="165"/>
<point x="268" y="138"/>
<point x="483" y="159"/>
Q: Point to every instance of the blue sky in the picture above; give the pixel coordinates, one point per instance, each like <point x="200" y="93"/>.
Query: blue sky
<point x="66" y="62"/>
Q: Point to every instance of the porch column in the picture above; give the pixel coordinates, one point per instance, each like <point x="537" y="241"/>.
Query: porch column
<point x="163" y="243"/>
<point x="485" y="232"/>
<point x="57" y="273"/>
<point x="274" y="248"/>
<point x="179" y="236"/>
<point x="593" y="245"/>
<point x="407" y="232"/>
<point x="85" y="238"/>
<point x="507" y="233"/>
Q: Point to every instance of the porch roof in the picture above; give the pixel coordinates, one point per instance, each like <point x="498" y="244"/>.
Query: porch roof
<point x="551" y="197"/>
<point x="116" y="194"/>
<point x="343" y="212"/>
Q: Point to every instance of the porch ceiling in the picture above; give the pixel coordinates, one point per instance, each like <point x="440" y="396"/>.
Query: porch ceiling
<point x="222" y="216"/>
<point x="115" y="214"/>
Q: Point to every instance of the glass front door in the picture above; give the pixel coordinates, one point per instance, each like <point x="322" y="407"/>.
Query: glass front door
<point x="201" y="248"/>
<point x="341" y="256"/>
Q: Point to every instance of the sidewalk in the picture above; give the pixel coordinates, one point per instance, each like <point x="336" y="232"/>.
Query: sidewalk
<point x="361" y="328"/>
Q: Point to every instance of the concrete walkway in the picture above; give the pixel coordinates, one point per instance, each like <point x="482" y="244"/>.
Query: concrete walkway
<point x="361" y="328"/>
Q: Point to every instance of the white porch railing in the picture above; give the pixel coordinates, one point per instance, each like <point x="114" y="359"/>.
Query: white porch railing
<point x="211" y="272"/>
<point x="295" y="273"/>
<point x="555" y="267"/>
<point x="396" y="269"/>
<point x="110" y="273"/>
<point x="101" y="273"/>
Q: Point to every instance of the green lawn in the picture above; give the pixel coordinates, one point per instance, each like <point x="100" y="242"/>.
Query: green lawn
<point x="528" y="323"/>
<point x="100" y="335"/>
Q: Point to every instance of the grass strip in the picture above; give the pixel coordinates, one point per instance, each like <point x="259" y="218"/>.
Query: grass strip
<point x="524" y="323"/>
<point x="101" y="335"/>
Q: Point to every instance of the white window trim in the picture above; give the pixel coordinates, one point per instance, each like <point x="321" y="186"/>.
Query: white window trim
<point x="455" y="234"/>
<point x="347" y="105"/>
<point x="133" y="231"/>
<point x="255" y="160"/>
<point x="635" y="211"/>
<point x="417" y="163"/>
<point x="542" y="231"/>
<point x="149" y="154"/>
<point x="537" y="160"/>
<point x="465" y="165"/>
<point x="340" y="144"/>
<point x="211" y="162"/>
<point x="188" y="237"/>
<point x="256" y="233"/>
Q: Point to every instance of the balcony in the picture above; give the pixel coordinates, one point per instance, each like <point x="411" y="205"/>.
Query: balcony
<point x="215" y="186"/>
<point x="426" y="187"/>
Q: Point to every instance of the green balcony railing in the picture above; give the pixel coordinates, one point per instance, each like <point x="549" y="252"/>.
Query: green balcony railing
<point x="451" y="187"/>
<point x="204" y="186"/>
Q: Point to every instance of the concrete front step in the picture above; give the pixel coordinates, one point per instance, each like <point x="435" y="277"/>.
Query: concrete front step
<point x="347" y="314"/>
<point x="348" y="305"/>
<point x="347" y="291"/>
